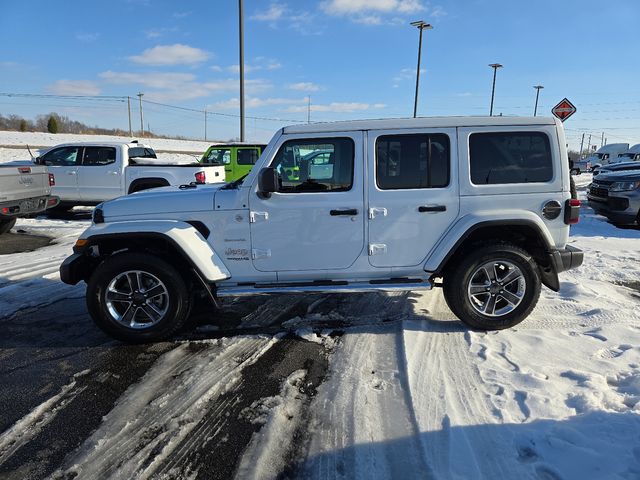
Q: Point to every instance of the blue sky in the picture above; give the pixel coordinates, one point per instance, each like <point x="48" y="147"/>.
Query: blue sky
<point x="355" y="58"/>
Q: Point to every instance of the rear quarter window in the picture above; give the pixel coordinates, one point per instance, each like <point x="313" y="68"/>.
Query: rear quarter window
<point x="510" y="157"/>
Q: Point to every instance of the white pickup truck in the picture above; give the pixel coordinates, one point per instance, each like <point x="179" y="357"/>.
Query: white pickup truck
<point x="25" y="189"/>
<point x="93" y="172"/>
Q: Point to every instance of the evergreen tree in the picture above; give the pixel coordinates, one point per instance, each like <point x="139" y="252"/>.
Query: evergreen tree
<point x="52" y="125"/>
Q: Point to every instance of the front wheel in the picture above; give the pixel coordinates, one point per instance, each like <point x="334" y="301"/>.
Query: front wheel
<point x="137" y="297"/>
<point x="494" y="287"/>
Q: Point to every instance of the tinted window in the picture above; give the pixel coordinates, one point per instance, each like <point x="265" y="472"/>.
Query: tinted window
<point x="141" y="152"/>
<point x="247" y="156"/>
<point x="61" y="157"/>
<point x="412" y="161"/>
<point x="510" y="157"/>
<point x="218" y="156"/>
<point x="299" y="173"/>
<point x="99" y="155"/>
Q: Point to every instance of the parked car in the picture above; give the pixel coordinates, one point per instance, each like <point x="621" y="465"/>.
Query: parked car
<point x="92" y="172"/>
<point x="25" y="189"/>
<point x="481" y="202"/>
<point x="629" y="160"/>
<point x="601" y="157"/>
<point x="616" y="195"/>
<point x="237" y="158"/>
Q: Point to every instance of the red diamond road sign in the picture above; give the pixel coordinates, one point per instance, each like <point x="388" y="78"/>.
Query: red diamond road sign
<point x="564" y="109"/>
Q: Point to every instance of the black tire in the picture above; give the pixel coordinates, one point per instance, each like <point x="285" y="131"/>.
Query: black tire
<point x="6" y="225"/>
<point x="458" y="281"/>
<point x="175" y="310"/>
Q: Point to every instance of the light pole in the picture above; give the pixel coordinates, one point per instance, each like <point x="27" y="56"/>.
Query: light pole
<point x="241" y="31"/>
<point x="421" y="25"/>
<point x="538" y="88"/>
<point x="140" y="95"/>
<point x="495" y="67"/>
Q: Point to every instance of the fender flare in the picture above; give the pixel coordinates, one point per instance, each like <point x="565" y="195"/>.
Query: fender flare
<point x="181" y="235"/>
<point x="462" y="229"/>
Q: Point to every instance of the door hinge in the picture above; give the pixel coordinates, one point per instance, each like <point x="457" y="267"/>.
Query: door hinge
<point x="257" y="253"/>
<point x="377" y="211"/>
<point x="255" y="216"/>
<point x="377" y="249"/>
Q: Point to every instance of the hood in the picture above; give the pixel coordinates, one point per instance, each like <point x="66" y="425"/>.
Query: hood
<point x="621" y="176"/>
<point x="163" y="200"/>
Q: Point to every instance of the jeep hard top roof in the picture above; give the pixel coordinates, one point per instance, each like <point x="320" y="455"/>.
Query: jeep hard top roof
<point x="420" y="122"/>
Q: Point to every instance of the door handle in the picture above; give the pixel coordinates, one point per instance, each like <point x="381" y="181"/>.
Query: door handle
<point x="432" y="208"/>
<point x="349" y="212"/>
<point x="113" y="173"/>
<point x="71" y="173"/>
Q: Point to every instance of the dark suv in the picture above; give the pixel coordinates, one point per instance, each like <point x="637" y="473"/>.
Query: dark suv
<point x="616" y="195"/>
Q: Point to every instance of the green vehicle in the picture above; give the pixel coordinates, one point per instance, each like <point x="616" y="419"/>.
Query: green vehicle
<point x="238" y="158"/>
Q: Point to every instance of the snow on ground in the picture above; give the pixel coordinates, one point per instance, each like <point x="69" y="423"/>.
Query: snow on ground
<point x="411" y="393"/>
<point x="44" y="139"/>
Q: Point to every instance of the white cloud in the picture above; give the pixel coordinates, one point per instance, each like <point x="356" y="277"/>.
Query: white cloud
<point x="275" y="12"/>
<point x="255" y="102"/>
<point x="74" y="87"/>
<point x="177" y="54"/>
<point x="159" y="32"/>
<point x="181" y="14"/>
<point x="347" y="7"/>
<point x="261" y="63"/>
<point x="87" y="37"/>
<point x="406" y="74"/>
<point x="376" y="12"/>
<point x="166" y="86"/>
<point x="337" y="107"/>
<point x="304" y="87"/>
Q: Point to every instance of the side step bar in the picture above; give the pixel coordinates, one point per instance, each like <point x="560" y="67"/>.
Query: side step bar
<point x="310" y="288"/>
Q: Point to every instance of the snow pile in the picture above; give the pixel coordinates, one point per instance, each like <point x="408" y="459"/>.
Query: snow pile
<point x="44" y="139"/>
<point x="265" y="457"/>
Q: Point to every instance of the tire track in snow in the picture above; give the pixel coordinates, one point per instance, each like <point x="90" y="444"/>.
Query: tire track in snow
<point x="154" y="416"/>
<point x="364" y="425"/>
<point x="449" y="398"/>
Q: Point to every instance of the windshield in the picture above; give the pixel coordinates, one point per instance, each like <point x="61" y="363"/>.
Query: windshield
<point x="218" y="156"/>
<point x="141" y="152"/>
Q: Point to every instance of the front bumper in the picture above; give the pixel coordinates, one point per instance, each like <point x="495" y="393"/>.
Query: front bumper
<point x="618" y="209"/>
<point x="75" y="268"/>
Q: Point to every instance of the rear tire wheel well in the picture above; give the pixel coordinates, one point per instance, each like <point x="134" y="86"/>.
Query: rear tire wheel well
<point x="146" y="184"/>
<point x="525" y="237"/>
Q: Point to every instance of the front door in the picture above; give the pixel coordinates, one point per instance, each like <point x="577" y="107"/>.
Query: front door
<point x="413" y="193"/>
<point x="246" y="157"/>
<point x="64" y="163"/>
<point x="100" y="176"/>
<point x="316" y="219"/>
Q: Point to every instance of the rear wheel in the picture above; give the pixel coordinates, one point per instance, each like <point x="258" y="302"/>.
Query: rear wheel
<point x="137" y="297"/>
<point x="494" y="287"/>
<point x="6" y="225"/>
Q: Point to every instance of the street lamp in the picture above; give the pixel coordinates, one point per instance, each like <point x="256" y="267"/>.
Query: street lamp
<point x="241" y="65"/>
<point x="140" y="95"/>
<point x="421" y="26"/>
<point x="495" y="67"/>
<point x="538" y="88"/>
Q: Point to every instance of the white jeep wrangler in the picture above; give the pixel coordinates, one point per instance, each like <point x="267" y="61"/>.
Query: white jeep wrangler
<point x="381" y="205"/>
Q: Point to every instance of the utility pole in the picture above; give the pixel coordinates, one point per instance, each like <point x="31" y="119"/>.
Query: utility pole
<point x="538" y="88"/>
<point x="140" y="95"/>
<point x="308" y="108"/>
<point x="495" y="67"/>
<point x="589" y="144"/>
<point x="241" y="31"/>
<point x="581" y="145"/>
<point x="205" y="123"/>
<point x="602" y="140"/>
<point x="129" y="110"/>
<point x="421" y="25"/>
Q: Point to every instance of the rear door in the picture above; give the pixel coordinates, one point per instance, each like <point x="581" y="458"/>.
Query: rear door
<point x="64" y="163"/>
<point x="413" y="193"/>
<point x="246" y="158"/>
<point x="100" y="176"/>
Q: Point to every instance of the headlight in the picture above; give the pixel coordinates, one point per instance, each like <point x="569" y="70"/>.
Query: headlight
<point x="98" y="215"/>
<point x="624" y="186"/>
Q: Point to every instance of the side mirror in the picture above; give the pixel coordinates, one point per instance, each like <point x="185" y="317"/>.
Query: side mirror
<point x="267" y="182"/>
